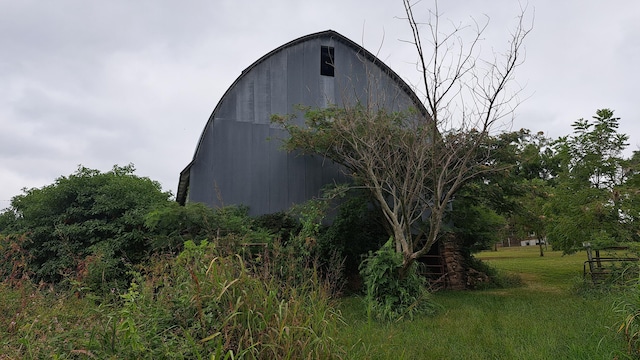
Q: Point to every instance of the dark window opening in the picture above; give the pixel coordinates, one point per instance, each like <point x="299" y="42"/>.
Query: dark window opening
<point x="326" y="61"/>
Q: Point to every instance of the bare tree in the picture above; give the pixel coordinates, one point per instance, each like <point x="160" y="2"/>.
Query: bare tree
<point x="414" y="163"/>
<point x="467" y="98"/>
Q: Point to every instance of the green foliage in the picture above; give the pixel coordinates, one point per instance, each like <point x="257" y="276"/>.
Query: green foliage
<point x="391" y="293"/>
<point x="82" y="217"/>
<point x="205" y="303"/>
<point x="628" y="309"/>
<point x="595" y="150"/>
<point x="282" y="225"/>
<point x="590" y="200"/>
<point x="474" y="222"/>
<point x="357" y="229"/>
<point x="169" y="225"/>
<point x="7" y="221"/>
<point x="302" y="257"/>
<point x="14" y="259"/>
<point x="507" y="202"/>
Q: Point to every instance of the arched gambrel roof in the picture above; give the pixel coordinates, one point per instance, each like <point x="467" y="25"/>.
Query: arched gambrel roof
<point x="353" y="45"/>
<point x="366" y="56"/>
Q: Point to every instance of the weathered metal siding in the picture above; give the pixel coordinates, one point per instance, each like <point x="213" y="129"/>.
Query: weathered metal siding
<point x="235" y="163"/>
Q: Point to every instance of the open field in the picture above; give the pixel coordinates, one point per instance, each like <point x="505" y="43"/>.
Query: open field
<point x="542" y="320"/>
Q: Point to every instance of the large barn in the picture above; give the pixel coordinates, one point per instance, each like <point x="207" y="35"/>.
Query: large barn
<point x="239" y="160"/>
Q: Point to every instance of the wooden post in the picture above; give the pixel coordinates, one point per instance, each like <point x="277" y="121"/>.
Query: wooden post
<point x="589" y="257"/>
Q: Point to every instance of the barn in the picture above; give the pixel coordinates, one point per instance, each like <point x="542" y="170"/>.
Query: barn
<point x="238" y="159"/>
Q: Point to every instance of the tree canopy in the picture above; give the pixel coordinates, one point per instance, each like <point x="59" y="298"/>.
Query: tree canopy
<point x="593" y="200"/>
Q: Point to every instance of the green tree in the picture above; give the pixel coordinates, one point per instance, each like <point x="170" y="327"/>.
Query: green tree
<point x="591" y="188"/>
<point x="627" y="196"/>
<point x="530" y="216"/>
<point x="533" y="175"/>
<point x="480" y="209"/>
<point x="86" y="224"/>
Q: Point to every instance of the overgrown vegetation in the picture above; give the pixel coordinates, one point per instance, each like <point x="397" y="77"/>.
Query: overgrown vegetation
<point x="200" y="282"/>
<point x="218" y="283"/>
<point x="628" y="308"/>
<point x="593" y="201"/>
<point x="87" y="226"/>
<point x="390" y="294"/>
<point x="209" y="301"/>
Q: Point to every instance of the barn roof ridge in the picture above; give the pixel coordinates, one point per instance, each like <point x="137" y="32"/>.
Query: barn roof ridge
<point x="350" y="43"/>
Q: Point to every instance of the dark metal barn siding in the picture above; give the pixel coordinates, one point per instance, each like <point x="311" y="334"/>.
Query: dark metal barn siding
<point x="235" y="163"/>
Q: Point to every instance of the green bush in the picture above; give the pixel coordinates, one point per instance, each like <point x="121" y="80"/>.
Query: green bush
<point x="390" y="294"/>
<point x="356" y="229"/>
<point x="281" y="224"/>
<point x="169" y="225"/>
<point x="82" y="216"/>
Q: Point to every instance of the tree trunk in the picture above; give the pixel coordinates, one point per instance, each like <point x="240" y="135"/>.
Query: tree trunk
<point x="540" y="245"/>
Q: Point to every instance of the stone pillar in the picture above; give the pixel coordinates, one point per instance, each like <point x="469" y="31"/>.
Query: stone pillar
<point x="456" y="278"/>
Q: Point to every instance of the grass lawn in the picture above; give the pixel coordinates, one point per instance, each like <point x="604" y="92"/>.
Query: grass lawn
<point x="542" y="320"/>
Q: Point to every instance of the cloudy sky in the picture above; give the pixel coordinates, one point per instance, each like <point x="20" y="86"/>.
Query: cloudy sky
<point x="100" y="83"/>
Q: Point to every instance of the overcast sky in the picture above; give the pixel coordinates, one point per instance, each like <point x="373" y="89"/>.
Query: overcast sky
<point x="100" y="83"/>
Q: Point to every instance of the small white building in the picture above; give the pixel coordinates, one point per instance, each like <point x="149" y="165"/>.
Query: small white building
<point x="532" y="242"/>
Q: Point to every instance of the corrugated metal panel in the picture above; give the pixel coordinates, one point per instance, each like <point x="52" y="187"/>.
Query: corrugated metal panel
<point x="295" y="77"/>
<point x="262" y="94"/>
<point x="226" y="109"/>
<point x="220" y="183"/>
<point x="245" y="103"/>
<point x="311" y="74"/>
<point x="259" y="170"/>
<point x="278" y="172"/>
<point x="279" y="79"/>
<point x="236" y="164"/>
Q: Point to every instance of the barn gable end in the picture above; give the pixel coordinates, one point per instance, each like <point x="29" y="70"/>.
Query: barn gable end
<point x="235" y="163"/>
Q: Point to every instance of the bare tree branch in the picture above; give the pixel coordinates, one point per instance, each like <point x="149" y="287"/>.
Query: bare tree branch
<point x="415" y="164"/>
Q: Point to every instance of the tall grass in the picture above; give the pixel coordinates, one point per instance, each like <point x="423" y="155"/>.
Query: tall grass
<point x="206" y="303"/>
<point x="209" y="303"/>
<point x="544" y="319"/>
<point x="628" y="309"/>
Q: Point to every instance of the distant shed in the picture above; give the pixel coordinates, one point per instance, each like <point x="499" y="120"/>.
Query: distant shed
<point x="236" y="163"/>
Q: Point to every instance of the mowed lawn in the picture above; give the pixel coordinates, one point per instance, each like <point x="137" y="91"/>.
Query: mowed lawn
<point x="544" y="319"/>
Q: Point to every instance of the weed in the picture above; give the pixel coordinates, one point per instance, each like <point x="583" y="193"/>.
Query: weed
<point x="391" y="296"/>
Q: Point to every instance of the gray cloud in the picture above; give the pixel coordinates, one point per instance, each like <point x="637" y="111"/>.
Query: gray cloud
<point x="114" y="82"/>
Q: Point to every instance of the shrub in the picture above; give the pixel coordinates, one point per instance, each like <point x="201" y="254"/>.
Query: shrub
<point x="391" y="295"/>
<point x="14" y="259"/>
<point x="169" y="225"/>
<point x="83" y="214"/>
<point x="281" y="224"/>
<point x="357" y="229"/>
<point x="204" y="303"/>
